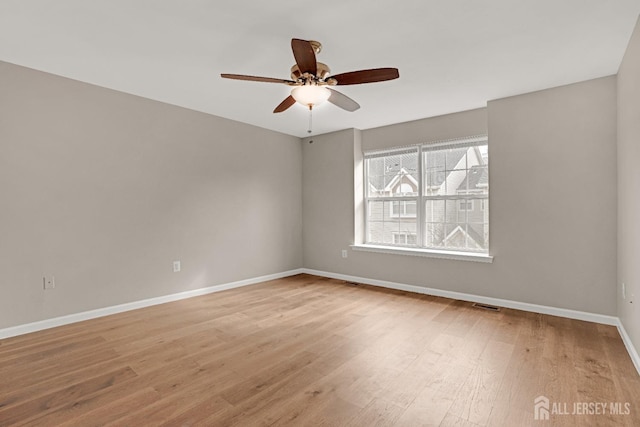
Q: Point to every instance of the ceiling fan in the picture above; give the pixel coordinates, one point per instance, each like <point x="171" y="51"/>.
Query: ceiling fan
<point x="311" y="79"/>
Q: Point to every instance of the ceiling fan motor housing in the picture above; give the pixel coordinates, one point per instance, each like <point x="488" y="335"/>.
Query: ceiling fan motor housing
<point x="323" y="71"/>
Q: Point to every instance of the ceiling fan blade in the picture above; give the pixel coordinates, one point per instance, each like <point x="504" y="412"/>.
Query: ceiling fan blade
<point x="305" y="56"/>
<point x="288" y="102"/>
<point x="255" y="78"/>
<point x="343" y="101"/>
<point x="367" y="76"/>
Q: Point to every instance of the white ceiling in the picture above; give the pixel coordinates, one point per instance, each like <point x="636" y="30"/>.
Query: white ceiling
<point x="453" y="55"/>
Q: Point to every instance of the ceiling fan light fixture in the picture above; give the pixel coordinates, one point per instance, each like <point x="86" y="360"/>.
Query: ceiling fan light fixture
<point x="310" y="95"/>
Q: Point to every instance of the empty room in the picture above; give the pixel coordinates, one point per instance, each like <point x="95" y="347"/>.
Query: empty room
<point x="417" y="213"/>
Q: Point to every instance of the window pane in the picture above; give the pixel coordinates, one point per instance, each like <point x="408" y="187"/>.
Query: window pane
<point x="449" y="225"/>
<point x="375" y="221"/>
<point x="375" y="184"/>
<point x="480" y="235"/>
<point x="465" y="205"/>
<point x="406" y="187"/>
<point x="476" y="181"/>
<point x="434" y="235"/>
<point x="410" y="208"/>
<point x="452" y="214"/>
<point x="435" y="159"/>
<point x="434" y="211"/>
<point x="385" y="222"/>
<point x="456" y="171"/>
<point x="456" y="236"/>
<point x="403" y="209"/>
<point x="479" y="212"/>
<point x="407" y="239"/>
<point x="388" y="229"/>
<point x="399" y="239"/>
<point x="393" y="175"/>
<point x="434" y="181"/>
<point x="456" y="158"/>
<point x="479" y="179"/>
<point x="455" y="183"/>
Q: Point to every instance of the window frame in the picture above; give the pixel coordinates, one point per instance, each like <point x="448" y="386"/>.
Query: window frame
<point x="421" y="198"/>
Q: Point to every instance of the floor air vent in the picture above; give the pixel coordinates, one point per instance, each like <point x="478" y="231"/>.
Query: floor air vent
<point x="486" y="306"/>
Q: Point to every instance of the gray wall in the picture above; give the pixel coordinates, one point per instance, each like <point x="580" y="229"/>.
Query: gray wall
<point x="104" y="190"/>
<point x="552" y="175"/>
<point x="327" y="198"/>
<point x="629" y="188"/>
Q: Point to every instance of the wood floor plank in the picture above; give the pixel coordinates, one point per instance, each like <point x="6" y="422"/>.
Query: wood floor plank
<point x="477" y="395"/>
<point x="59" y="382"/>
<point x="429" y="408"/>
<point x="379" y="412"/>
<point x="191" y="403"/>
<point x="26" y="377"/>
<point x="40" y="407"/>
<point x="307" y="350"/>
<point x="99" y="408"/>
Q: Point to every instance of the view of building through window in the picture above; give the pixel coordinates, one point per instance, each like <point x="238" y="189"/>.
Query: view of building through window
<point x="431" y="196"/>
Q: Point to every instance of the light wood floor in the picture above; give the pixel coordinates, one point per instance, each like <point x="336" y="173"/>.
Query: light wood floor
<point x="312" y="351"/>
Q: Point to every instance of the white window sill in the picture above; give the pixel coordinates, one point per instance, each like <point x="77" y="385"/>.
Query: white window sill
<point x="429" y="253"/>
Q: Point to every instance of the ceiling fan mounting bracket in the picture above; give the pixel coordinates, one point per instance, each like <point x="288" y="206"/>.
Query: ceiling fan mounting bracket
<point x="317" y="46"/>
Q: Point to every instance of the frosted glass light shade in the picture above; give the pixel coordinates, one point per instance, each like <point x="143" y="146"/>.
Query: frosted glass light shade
<point x="310" y="94"/>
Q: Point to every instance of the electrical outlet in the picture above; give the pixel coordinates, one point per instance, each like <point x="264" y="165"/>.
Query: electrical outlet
<point x="48" y="282"/>
<point x="176" y="266"/>
<point x="344" y="253"/>
<point x="624" y="291"/>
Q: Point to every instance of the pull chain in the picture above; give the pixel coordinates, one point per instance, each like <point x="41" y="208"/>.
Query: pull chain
<point x="310" y="119"/>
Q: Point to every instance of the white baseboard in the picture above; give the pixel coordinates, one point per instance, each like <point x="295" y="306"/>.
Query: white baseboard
<point x="106" y="311"/>
<point x="543" y="309"/>
<point x="633" y="353"/>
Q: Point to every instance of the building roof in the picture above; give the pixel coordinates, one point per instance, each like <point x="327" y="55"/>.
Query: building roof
<point x="384" y="170"/>
<point x="478" y="177"/>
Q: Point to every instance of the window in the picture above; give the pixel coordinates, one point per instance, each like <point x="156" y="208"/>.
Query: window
<point x="404" y="239"/>
<point x="466" y="205"/>
<point x="403" y="209"/>
<point x="425" y="196"/>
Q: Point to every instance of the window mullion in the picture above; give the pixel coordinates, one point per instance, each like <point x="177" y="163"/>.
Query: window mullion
<point x="396" y="198"/>
<point x="366" y="201"/>
<point x="420" y="202"/>
<point x="458" y="197"/>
